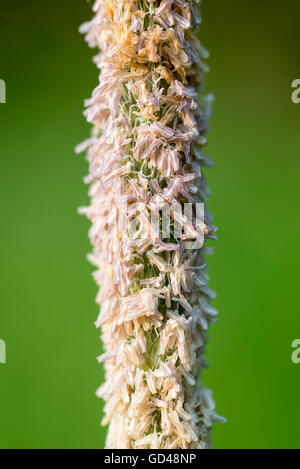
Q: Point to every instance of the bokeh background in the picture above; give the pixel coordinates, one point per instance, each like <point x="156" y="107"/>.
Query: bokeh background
<point x="47" y="309"/>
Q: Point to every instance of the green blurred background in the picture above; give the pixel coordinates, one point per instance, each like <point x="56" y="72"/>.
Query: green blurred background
<point x="47" y="387"/>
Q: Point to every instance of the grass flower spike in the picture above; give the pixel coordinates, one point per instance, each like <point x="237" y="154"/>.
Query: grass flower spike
<point x="145" y="152"/>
